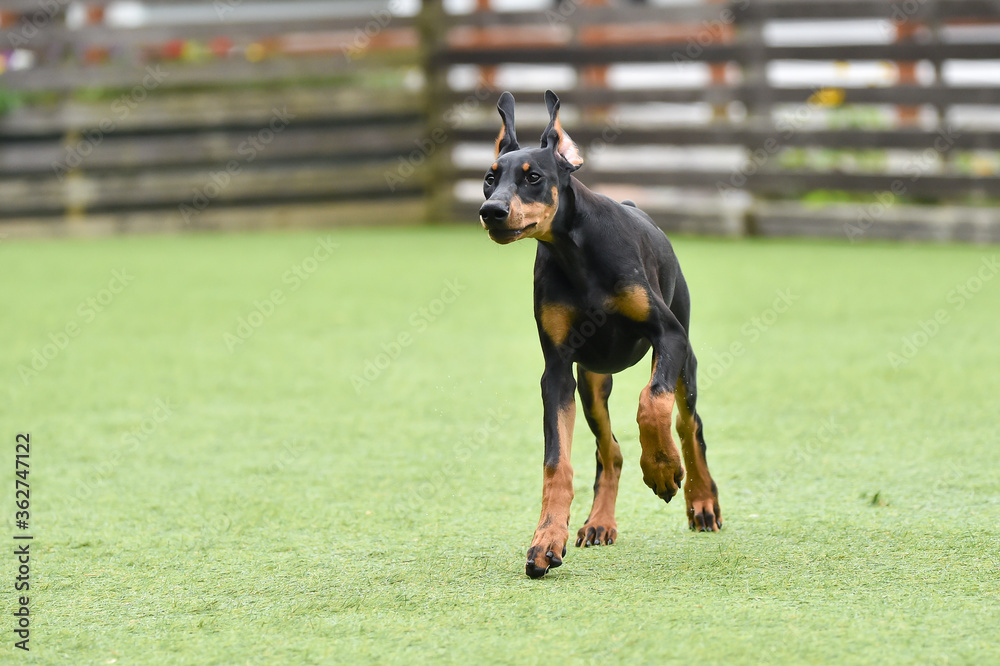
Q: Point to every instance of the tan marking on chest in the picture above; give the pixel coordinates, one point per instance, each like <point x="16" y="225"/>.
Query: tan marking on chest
<point x="557" y="319"/>
<point x="632" y="302"/>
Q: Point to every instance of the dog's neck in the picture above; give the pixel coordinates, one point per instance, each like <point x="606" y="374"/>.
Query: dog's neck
<point x="568" y="230"/>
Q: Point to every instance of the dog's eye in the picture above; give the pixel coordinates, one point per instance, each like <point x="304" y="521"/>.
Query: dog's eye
<point x="533" y="178"/>
<point x="490" y="178"/>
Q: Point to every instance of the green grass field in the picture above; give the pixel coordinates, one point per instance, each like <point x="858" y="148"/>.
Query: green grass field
<point x="205" y="491"/>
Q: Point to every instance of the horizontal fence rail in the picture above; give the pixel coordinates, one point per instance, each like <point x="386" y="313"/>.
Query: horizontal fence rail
<point x="365" y="116"/>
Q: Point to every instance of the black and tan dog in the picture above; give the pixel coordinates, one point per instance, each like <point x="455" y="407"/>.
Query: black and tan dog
<point x="607" y="288"/>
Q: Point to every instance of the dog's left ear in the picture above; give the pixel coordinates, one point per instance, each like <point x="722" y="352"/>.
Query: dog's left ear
<point x="507" y="139"/>
<point x="555" y="136"/>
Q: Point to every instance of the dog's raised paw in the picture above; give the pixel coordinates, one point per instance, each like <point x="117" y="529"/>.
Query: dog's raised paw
<point x="662" y="476"/>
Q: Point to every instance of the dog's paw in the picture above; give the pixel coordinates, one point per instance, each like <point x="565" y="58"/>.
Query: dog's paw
<point x="596" y="532"/>
<point x="546" y="552"/>
<point x="704" y="514"/>
<point x="663" y="475"/>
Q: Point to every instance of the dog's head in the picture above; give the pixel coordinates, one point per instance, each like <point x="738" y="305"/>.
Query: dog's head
<point x="523" y="184"/>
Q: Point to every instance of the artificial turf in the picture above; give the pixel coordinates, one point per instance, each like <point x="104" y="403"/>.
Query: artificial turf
<point x="206" y="493"/>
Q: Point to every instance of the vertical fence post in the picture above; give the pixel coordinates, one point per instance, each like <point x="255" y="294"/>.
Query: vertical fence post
<point x="437" y="185"/>
<point x="759" y="101"/>
<point x="592" y="77"/>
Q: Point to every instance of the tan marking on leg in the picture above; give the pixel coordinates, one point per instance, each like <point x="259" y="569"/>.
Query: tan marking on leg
<point x="557" y="497"/>
<point x="660" y="461"/>
<point x="632" y="302"/>
<point x="557" y="488"/>
<point x="698" y="486"/>
<point x="557" y="319"/>
<point x="602" y="514"/>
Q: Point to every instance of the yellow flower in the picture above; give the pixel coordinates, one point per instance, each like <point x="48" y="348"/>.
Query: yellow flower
<point x="828" y="97"/>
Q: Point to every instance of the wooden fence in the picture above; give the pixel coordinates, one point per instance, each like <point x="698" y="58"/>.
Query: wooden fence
<point x="381" y="118"/>
<point x="220" y="124"/>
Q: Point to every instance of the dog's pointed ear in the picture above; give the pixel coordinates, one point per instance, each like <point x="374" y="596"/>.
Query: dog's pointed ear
<point x="507" y="139"/>
<point x="555" y="136"/>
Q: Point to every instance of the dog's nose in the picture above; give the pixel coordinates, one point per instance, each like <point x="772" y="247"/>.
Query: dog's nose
<point x="494" y="213"/>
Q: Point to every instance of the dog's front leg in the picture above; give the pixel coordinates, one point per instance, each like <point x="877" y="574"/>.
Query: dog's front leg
<point x="559" y="404"/>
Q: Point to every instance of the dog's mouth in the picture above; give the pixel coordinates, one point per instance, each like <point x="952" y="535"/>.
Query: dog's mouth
<point x="504" y="236"/>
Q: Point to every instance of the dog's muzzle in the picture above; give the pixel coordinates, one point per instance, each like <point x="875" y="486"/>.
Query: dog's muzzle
<point x="494" y="214"/>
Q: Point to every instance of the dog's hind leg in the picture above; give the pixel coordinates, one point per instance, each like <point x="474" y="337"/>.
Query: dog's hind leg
<point x="661" y="461"/>
<point x="600" y="526"/>
<point x="700" y="491"/>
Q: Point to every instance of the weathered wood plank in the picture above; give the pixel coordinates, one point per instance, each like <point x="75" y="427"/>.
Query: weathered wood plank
<point x="394" y="212"/>
<point x="939" y="95"/>
<point x="198" y="188"/>
<point x="238" y="32"/>
<point x="860" y="222"/>
<point x="578" y="55"/>
<point x="203" y="109"/>
<point x="127" y="152"/>
<point x="729" y="135"/>
<point x="71" y="76"/>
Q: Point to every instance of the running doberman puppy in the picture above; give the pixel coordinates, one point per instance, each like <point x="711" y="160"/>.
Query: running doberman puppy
<point x="607" y="288"/>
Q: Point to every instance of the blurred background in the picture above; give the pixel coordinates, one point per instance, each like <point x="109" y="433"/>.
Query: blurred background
<point x="847" y="118"/>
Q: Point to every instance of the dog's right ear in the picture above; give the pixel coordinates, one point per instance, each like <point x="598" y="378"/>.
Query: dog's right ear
<point x="507" y="139"/>
<point x="555" y="136"/>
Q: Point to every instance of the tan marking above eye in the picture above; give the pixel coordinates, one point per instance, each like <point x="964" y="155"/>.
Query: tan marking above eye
<point x="525" y="166"/>
<point x="556" y="319"/>
<point x="494" y="167"/>
<point x="633" y="302"/>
